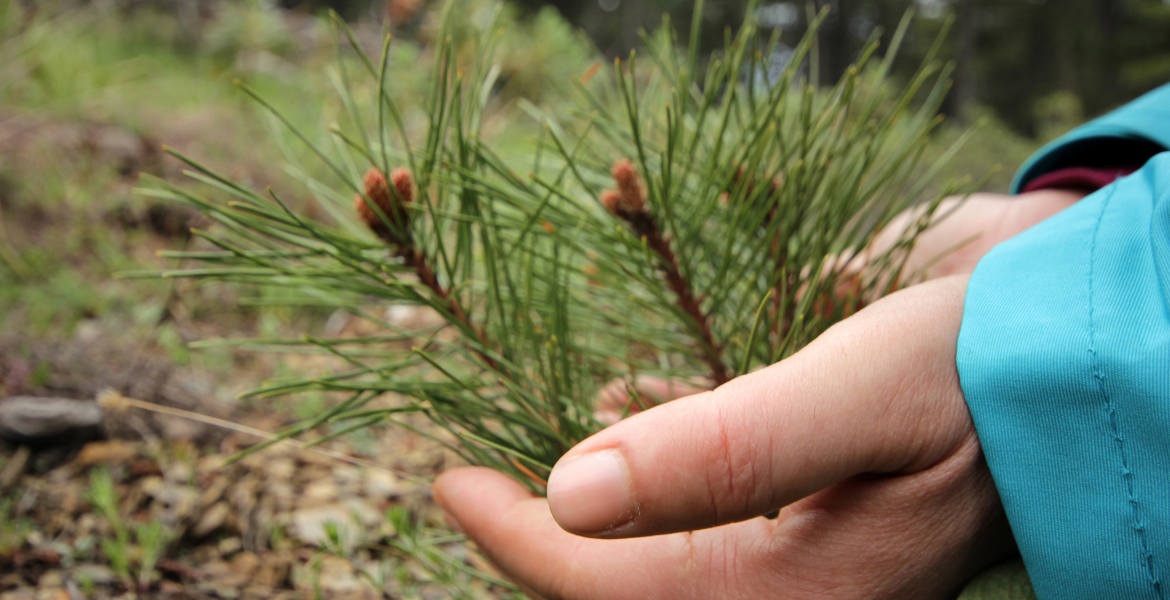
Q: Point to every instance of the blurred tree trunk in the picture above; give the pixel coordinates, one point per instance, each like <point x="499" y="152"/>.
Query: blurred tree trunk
<point x="1066" y="24"/>
<point x="833" y="40"/>
<point x="966" y="90"/>
<point x="1108" y="14"/>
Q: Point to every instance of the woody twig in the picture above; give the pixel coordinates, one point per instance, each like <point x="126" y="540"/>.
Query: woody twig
<point x="628" y="203"/>
<point x="393" y="200"/>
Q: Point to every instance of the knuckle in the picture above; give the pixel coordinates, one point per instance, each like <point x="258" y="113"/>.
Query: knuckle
<point x="733" y="477"/>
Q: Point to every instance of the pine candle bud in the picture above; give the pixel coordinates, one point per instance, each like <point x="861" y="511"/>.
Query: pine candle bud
<point x="630" y="185"/>
<point x="629" y="199"/>
<point x="403" y="183"/>
<point x="612" y="201"/>
<point x="392" y="204"/>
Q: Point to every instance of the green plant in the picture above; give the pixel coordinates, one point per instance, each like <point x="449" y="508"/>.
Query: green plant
<point x="13" y="530"/>
<point x="409" y="561"/>
<point x="729" y="234"/>
<point x="132" y="558"/>
<point x="105" y="499"/>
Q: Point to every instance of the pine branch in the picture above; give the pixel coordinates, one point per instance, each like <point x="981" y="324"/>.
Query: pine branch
<point x="628" y="203"/>
<point x="743" y="187"/>
<point x="385" y="210"/>
<point x="426" y="275"/>
<point x="527" y="271"/>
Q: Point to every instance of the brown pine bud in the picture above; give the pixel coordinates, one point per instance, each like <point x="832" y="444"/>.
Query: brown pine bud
<point x="612" y="201"/>
<point x="393" y="208"/>
<point x="404" y="183"/>
<point x="377" y="190"/>
<point x="367" y="215"/>
<point x="633" y="194"/>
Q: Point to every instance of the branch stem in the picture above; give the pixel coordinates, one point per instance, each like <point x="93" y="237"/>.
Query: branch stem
<point x="426" y="275"/>
<point x="645" y="226"/>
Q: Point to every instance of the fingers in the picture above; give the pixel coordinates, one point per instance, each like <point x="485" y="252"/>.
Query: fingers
<point x="516" y="531"/>
<point x="965" y="229"/>
<point x="615" y="401"/>
<point x="876" y="393"/>
<point x="916" y="535"/>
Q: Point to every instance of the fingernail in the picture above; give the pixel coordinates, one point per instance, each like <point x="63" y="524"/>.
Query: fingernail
<point x="591" y="493"/>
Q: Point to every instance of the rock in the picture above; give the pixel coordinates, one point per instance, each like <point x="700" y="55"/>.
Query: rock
<point x="213" y="491"/>
<point x="274" y="570"/>
<point x="382" y="485"/>
<point x="337" y="576"/>
<point x="245" y="564"/>
<point x="222" y="579"/>
<point x="281" y="468"/>
<point x="49" y="421"/>
<point x="151" y="485"/>
<point x="50" y="579"/>
<point x="52" y="593"/>
<point x="104" y="359"/>
<point x="256" y="592"/>
<point x="229" y="545"/>
<point x="93" y="574"/>
<point x="174" y="504"/>
<point x="319" y="492"/>
<point x="355" y="522"/>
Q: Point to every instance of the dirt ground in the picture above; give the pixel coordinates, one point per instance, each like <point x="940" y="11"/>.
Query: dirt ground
<point x="282" y="523"/>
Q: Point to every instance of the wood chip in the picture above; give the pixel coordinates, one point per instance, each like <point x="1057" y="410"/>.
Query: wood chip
<point x="14" y="468"/>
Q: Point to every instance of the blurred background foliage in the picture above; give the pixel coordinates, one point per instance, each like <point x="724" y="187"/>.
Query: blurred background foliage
<point x="1030" y="61"/>
<point x="1035" y="63"/>
<point x="90" y="89"/>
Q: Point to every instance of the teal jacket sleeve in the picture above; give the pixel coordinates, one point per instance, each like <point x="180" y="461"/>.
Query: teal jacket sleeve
<point x="1127" y="137"/>
<point x="1064" y="359"/>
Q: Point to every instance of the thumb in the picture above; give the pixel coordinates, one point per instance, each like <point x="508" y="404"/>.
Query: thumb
<point x="877" y="393"/>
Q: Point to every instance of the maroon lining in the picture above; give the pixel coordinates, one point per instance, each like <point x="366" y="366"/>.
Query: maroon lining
<point x="1082" y="179"/>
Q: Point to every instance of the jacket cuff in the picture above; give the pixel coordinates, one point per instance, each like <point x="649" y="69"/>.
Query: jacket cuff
<point x="1064" y="360"/>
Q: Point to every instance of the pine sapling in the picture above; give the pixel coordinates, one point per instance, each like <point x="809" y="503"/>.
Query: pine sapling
<point x="741" y="224"/>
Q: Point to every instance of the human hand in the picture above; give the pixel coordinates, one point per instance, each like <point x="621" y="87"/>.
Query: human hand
<point x="862" y="437"/>
<point x="965" y="229"/>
